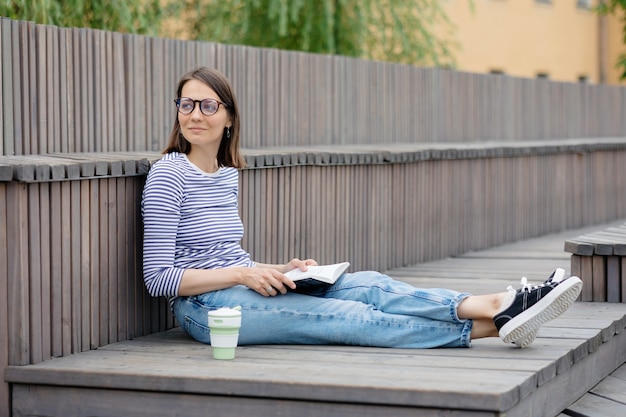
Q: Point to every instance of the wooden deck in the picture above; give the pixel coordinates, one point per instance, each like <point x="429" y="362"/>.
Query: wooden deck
<point x="575" y="367"/>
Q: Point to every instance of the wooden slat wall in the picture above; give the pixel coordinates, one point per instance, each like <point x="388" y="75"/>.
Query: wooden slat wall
<point x="75" y="267"/>
<point x="73" y="248"/>
<point x="384" y="216"/>
<point x="82" y="90"/>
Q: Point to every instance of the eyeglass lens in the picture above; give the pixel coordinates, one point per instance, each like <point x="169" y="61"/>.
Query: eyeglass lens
<point x="208" y="106"/>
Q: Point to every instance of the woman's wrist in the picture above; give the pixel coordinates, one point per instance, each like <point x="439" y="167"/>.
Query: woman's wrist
<point x="282" y="268"/>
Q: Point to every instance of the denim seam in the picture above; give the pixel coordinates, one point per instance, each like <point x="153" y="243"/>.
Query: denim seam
<point x="440" y="300"/>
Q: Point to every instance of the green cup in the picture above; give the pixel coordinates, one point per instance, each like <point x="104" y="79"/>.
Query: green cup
<point x="224" y="325"/>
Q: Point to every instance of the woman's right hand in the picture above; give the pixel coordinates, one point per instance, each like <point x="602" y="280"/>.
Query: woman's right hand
<point x="268" y="282"/>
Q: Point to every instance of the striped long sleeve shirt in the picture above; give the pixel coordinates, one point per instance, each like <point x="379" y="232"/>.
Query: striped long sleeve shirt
<point x="191" y="220"/>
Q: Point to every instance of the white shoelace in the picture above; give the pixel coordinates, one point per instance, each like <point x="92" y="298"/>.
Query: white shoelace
<point x="526" y="286"/>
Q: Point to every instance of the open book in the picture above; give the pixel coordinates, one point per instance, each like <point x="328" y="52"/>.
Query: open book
<point x="316" y="276"/>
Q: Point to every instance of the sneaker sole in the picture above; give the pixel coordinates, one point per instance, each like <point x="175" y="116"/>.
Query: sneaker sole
<point x="522" y="329"/>
<point x="527" y="340"/>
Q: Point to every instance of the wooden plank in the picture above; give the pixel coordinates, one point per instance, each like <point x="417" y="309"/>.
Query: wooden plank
<point x="100" y="139"/>
<point x="93" y="259"/>
<point x="89" y="78"/>
<point x="118" y="78"/>
<point x="66" y="257"/>
<point x="619" y="246"/>
<point x="137" y="289"/>
<point x="612" y="388"/>
<point x="112" y="260"/>
<point x="623" y="278"/>
<point x="267" y="219"/>
<point x="4" y="288"/>
<point x="5" y="44"/>
<point x="120" y="403"/>
<point x="40" y="146"/>
<point x="587" y="292"/>
<point x="39" y="326"/>
<point x="41" y="168"/>
<point x="16" y="135"/>
<point x="108" y="91"/>
<point x="620" y="372"/>
<point x="68" y="104"/>
<point x="591" y="405"/>
<point x="6" y="172"/>
<point x="133" y="272"/>
<point x="76" y="250"/>
<point x="101" y="279"/>
<point x="603" y="244"/>
<point x="85" y="266"/>
<point x="124" y="221"/>
<point x="578" y="247"/>
<point x="613" y="279"/>
<point x="17" y="266"/>
<point x="54" y="94"/>
<point x="599" y="278"/>
<point x="26" y="135"/>
<point x="576" y="270"/>
<point x="54" y="275"/>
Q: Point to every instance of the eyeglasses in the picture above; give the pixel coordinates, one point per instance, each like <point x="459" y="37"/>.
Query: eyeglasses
<point x="208" y="106"/>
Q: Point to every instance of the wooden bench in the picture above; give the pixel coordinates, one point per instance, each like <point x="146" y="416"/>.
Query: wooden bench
<point x="167" y="372"/>
<point x="71" y="230"/>
<point x="599" y="259"/>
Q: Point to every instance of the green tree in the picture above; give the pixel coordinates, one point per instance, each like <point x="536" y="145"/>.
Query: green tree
<point x="411" y="32"/>
<point x="142" y="17"/>
<point x="615" y="7"/>
<point x="406" y="31"/>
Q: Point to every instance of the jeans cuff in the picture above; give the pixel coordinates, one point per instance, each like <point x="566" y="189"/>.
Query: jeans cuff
<point x="466" y="333"/>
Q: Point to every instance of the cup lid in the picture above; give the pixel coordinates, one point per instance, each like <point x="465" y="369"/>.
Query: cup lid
<point x="226" y="312"/>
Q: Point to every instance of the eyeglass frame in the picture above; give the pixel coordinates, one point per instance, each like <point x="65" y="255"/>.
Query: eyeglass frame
<point x="219" y="103"/>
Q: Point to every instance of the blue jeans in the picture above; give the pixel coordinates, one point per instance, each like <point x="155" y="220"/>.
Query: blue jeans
<point x="365" y="309"/>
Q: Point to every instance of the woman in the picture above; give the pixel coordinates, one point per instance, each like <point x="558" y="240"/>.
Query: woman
<point x="193" y="256"/>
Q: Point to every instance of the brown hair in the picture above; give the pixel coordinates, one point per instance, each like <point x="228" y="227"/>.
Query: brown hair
<point x="228" y="154"/>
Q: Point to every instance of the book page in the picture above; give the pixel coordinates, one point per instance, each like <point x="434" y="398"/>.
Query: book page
<point x="326" y="273"/>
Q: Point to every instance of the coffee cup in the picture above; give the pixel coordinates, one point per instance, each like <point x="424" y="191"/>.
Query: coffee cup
<point x="224" y="324"/>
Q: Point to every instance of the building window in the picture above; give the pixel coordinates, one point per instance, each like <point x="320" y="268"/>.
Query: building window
<point x="543" y="75"/>
<point x="584" y="4"/>
<point x="544" y="1"/>
<point x="583" y="79"/>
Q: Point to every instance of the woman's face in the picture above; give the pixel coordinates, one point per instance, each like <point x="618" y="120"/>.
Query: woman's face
<point x="198" y="128"/>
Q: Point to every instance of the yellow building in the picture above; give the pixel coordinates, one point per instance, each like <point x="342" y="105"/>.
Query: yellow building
<point x="563" y="40"/>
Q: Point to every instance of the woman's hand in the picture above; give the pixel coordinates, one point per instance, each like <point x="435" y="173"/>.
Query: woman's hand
<point x="270" y="280"/>
<point x="267" y="281"/>
<point x="296" y="263"/>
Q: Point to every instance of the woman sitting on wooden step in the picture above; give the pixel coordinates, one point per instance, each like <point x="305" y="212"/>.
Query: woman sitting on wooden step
<point x="192" y="255"/>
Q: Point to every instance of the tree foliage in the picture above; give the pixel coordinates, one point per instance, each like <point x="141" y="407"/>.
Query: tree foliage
<point x="406" y="31"/>
<point x="412" y="32"/>
<point x="141" y="17"/>
<point x="615" y="7"/>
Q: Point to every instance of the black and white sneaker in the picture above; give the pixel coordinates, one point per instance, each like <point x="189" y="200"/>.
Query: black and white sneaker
<point x="556" y="276"/>
<point x="528" y="308"/>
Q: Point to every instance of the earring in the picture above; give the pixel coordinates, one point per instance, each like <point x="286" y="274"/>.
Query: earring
<point x="228" y="133"/>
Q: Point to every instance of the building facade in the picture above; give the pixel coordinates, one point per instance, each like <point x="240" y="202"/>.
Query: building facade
<point x="562" y="40"/>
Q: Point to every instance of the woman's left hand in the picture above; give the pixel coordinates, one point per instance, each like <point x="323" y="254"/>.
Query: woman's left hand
<point x="296" y="263"/>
